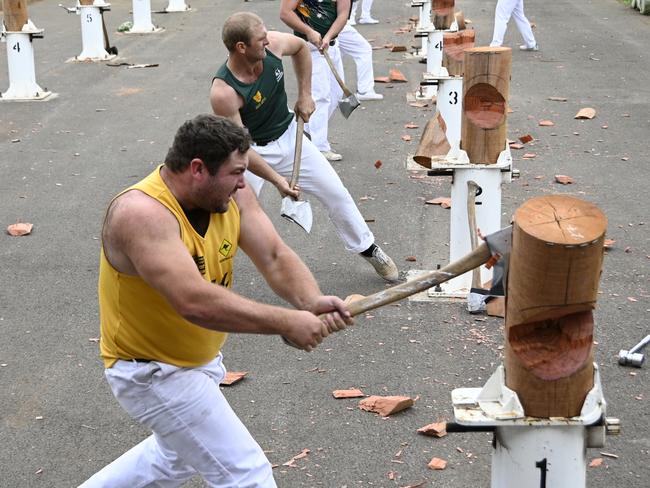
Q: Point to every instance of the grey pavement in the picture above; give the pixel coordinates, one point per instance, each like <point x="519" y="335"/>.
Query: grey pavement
<point x="61" y="161"/>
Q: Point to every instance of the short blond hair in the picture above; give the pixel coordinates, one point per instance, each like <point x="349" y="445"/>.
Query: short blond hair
<point x="238" y="28"/>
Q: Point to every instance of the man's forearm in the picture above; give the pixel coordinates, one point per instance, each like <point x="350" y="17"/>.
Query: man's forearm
<point x="259" y="167"/>
<point x="302" y="66"/>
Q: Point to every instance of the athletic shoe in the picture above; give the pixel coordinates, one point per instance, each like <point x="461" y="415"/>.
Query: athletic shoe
<point x="523" y="47"/>
<point x="370" y="95"/>
<point x="331" y="155"/>
<point x="368" y="20"/>
<point x="383" y="264"/>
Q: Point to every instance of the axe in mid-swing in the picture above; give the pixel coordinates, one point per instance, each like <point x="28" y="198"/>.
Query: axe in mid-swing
<point x="496" y="248"/>
<point x="350" y="102"/>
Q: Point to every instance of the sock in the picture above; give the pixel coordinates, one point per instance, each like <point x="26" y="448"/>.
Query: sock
<point x="368" y="252"/>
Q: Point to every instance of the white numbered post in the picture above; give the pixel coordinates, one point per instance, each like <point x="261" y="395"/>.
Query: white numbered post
<point x="177" y="6"/>
<point x="92" y="33"/>
<point x="142" y="18"/>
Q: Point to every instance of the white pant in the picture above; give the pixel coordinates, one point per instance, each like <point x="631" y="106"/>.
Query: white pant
<point x="194" y="430"/>
<point x="502" y="13"/>
<point x="366" y="5"/>
<point x="326" y="93"/>
<point x="353" y="44"/>
<point x="318" y="178"/>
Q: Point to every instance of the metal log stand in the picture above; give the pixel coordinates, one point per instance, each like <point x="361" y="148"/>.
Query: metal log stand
<point x="545" y="405"/>
<point x="93" y="42"/>
<point x="18" y="32"/>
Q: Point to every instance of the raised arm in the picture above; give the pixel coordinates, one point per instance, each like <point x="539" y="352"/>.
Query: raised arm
<point x="226" y="102"/>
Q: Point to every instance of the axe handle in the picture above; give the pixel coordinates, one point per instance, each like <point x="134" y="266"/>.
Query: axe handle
<point x="477" y="257"/>
<point x="346" y="92"/>
<point x="472" y="187"/>
<point x="295" y="174"/>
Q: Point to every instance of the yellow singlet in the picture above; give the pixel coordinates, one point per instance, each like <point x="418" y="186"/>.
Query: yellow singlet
<point x="137" y="322"/>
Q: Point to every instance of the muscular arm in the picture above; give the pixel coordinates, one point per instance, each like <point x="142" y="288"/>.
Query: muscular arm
<point x="226" y="102"/>
<point x="291" y="19"/>
<point x="281" y="267"/>
<point x="283" y="44"/>
<point x="141" y="237"/>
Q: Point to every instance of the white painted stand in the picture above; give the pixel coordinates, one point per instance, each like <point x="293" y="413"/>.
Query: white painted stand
<point x="435" y="69"/>
<point x="177" y="6"/>
<point x="20" y="59"/>
<point x="424" y="23"/>
<point x="142" y="19"/>
<point x="92" y="32"/>
<point x="489" y="177"/>
<point x="449" y="103"/>
<point x="530" y="451"/>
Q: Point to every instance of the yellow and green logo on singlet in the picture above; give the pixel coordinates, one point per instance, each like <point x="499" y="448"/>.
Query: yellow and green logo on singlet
<point x="225" y="248"/>
<point x="259" y="99"/>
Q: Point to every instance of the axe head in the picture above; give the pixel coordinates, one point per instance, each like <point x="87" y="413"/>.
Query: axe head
<point x="348" y="104"/>
<point x="500" y="243"/>
<point x="298" y="212"/>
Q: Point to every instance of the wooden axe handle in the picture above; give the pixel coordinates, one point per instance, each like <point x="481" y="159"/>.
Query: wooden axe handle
<point x="346" y="92"/>
<point x="478" y="256"/>
<point x="468" y="262"/>
<point x="295" y="174"/>
<point x="472" y="187"/>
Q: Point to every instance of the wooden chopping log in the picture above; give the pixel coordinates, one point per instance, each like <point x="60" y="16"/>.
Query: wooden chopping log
<point x="554" y="270"/>
<point x="485" y="93"/>
<point x="86" y="2"/>
<point x="433" y="141"/>
<point x="15" y="14"/>
<point x="453" y="51"/>
<point x="442" y="13"/>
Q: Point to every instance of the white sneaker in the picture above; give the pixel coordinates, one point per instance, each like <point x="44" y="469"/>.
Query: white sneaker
<point x="370" y="95"/>
<point x="523" y="47"/>
<point x="368" y="20"/>
<point x="331" y="155"/>
<point x="351" y="21"/>
<point x="383" y="264"/>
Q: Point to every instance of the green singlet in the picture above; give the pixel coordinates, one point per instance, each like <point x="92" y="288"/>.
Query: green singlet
<point x="265" y="113"/>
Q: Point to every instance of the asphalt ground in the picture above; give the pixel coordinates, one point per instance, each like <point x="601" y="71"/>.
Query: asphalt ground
<point x="62" y="160"/>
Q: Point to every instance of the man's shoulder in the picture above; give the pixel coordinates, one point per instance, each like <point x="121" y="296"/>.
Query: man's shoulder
<point x="135" y="208"/>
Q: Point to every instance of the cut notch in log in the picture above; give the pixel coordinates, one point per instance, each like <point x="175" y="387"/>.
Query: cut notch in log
<point x="433" y="142"/>
<point x="15" y="14"/>
<point x="554" y="270"/>
<point x="460" y="19"/>
<point x="485" y="93"/>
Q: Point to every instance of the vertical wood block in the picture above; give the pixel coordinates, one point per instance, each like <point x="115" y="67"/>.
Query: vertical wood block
<point x="15" y="14"/>
<point x="554" y="271"/>
<point x="485" y="93"/>
<point x="453" y="53"/>
<point x="442" y="13"/>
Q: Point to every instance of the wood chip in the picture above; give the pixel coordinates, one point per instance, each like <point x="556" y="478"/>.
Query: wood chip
<point x="585" y="113"/>
<point x="233" y="377"/>
<point x="437" y="429"/>
<point x="526" y="138"/>
<point x="397" y="76"/>
<point x="411" y="259"/>
<point x="596" y="462"/>
<point x="378" y="164"/>
<point x="557" y="99"/>
<point x="397" y="49"/>
<point x="546" y="123"/>
<point x="382" y="79"/>
<point x="411" y="125"/>
<point x="419" y="104"/>
<point x="406" y="138"/>
<point x="444" y="202"/>
<point x="609" y="243"/>
<point x="516" y="145"/>
<point x="437" y="464"/>
<point x="529" y="156"/>
<point x="416" y="485"/>
<point x="385" y="405"/>
<point x="609" y="455"/>
<point x="564" y="179"/>
<point x="351" y="393"/>
<point x="300" y="455"/>
<point x="20" y="229"/>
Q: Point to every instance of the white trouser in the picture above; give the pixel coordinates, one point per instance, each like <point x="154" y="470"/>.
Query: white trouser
<point x="502" y="13"/>
<point x="353" y="44"/>
<point x="318" y="178"/>
<point x="195" y="430"/>
<point x="366" y="5"/>
<point x="326" y="93"/>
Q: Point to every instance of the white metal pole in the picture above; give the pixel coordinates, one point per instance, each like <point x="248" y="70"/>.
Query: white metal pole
<point x="177" y="6"/>
<point x="142" y="17"/>
<point x="92" y="34"/>
<point x="22" y="75"/>
<point x="434" y="52"/>
<point x="450" y="105"/>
